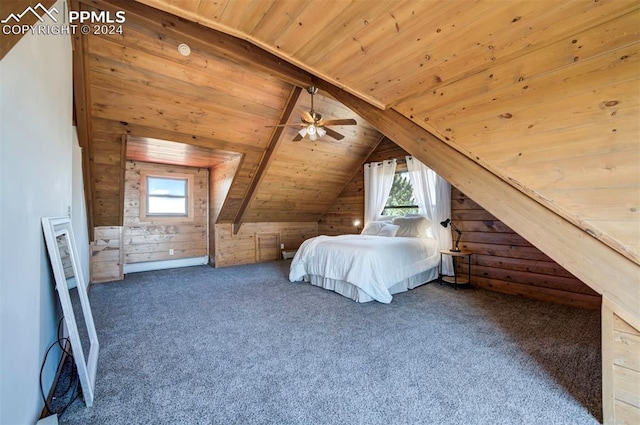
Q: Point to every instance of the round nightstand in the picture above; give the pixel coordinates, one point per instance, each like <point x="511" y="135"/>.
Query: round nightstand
<point x="456" y="280"/>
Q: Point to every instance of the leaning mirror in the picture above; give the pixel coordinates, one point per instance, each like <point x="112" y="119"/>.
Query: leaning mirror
<point x="72" y="291"/>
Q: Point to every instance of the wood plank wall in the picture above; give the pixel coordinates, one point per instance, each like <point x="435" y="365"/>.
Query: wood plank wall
<point x="620" y="367"/>
<point x="107" y="254"/>
<point x="504" y="261"/>
<point x="106" y="163"/>
<point x="256" y="242"/>
<point x="151" y="240"/>
<point x="220" y="179"/>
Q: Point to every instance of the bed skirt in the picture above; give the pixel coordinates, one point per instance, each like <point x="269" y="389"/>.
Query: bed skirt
<point x="351" y="291"/>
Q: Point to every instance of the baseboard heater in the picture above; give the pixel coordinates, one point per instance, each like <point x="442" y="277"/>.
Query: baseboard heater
<point x="287" y="255"/>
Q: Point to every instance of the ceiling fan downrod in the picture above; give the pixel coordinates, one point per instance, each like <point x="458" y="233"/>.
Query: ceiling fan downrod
<point x="312" y="90"/>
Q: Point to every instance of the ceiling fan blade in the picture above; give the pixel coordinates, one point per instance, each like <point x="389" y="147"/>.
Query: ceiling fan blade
<point x="297" y="138"/>
<point x="286" y="125"/>
<point x="338" y="122"/>
<point x="333" y="134"/>
<point x="306" y="117"/>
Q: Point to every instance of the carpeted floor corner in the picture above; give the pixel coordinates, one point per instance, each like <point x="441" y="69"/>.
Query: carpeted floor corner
<point x="243" y="345"/>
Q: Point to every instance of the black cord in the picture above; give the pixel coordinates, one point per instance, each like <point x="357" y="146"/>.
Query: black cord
<point x="74" y="374"/>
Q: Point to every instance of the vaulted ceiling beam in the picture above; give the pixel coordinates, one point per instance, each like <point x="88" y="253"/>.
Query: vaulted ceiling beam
<point x="274" y="141"/>
<point x="196" y="35"/>
<point x="573" y="248"/>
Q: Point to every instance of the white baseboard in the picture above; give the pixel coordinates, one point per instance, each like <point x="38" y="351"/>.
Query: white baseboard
<point x="165" y="264"/>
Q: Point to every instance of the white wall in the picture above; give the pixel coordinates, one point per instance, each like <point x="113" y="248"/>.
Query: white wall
<point x="35" y="181"/>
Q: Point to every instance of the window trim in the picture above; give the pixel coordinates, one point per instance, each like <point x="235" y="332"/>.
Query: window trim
<point x="144" y="198"/>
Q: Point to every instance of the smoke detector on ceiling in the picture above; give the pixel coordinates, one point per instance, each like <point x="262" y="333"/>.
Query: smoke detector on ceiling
<point x="184" y="49"/>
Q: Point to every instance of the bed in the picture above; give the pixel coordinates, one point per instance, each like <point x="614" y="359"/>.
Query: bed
<point x="371" y="266"/>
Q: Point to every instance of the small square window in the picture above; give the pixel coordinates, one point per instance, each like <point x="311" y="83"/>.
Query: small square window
<point x="167" y="196"/>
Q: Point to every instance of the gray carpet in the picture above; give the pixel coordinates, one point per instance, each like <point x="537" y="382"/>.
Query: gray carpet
<point x="242" y="345"/>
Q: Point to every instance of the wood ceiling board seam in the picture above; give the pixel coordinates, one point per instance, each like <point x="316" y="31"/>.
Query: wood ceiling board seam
<point x="136" y="110"/>
<point x="370" y="70"/>
<point x="295" y="72"/>
<point x="352" y="39"/>
<point x="144" y="131"/>
<point x="234" y="48"/>
<point x="265" y="162"/>
<point x="417" y="92"/>
<point x="614" y="203"/>
<point x="373" y="37"/>
<point x="194" y="95"/>
<point x="577" y="110"/>
<point x="312" y="20"/>
<point x="271" y="28"/>
<point x="589" y="172"/>
<point x="599" y="70"/>
<point x="140" y="40"/>
<point x="596" y="75"/>
<point x="501" y="143"/>
<point x="113" y="56"/>
<point x="175" y="145"/>
<point x="531" y="153"/>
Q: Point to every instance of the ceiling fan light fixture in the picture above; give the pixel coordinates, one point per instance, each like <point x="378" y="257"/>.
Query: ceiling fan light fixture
<point x="313" y="137"/>
<point x="311" y="130"/>
<point x="321" y="132"/>
<point x="303" y="132"/>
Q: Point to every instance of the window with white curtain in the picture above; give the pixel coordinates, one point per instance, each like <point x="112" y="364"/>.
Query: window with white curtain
<point x="401" y="200"/>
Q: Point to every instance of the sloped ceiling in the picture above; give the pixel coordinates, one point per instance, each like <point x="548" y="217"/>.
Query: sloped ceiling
<point x="542" y="94"/>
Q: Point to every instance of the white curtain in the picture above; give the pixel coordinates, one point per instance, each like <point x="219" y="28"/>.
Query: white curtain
<point x="433" y="196"/>
<point x="378" y="179"/>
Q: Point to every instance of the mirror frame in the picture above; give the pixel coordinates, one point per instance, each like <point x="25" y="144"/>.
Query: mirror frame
<point x="61" y="226"/>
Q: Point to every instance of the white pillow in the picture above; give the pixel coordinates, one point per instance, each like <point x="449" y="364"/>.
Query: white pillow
<point x="387" y="218"/>
<point x="373" y="227"/>
<point x="415" y="227"/>
<point x="389" y="230"/>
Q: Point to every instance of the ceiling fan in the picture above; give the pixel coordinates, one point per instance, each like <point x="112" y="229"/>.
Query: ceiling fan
<point x="313" y="125"/>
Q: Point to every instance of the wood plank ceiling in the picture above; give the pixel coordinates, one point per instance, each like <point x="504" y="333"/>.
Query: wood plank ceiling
<point x="543" y="94"/>
<point x="204" y="109"/>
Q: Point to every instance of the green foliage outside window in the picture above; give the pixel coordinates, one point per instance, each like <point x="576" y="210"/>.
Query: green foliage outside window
<point x="401" y="201"/>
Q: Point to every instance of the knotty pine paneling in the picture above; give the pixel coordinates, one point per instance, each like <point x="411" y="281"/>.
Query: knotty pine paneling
<point x="220" y="179"/>
<point x="505" y="262"/>
<point x="107" y="254"/>
<point x="620" y="366"/>
<point x="106" y="153"/>
<point x="253" y="239"/>
<point x="149" y="239"/>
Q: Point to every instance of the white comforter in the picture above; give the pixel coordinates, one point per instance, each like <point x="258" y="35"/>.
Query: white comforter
<point x="372" y="263"/>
